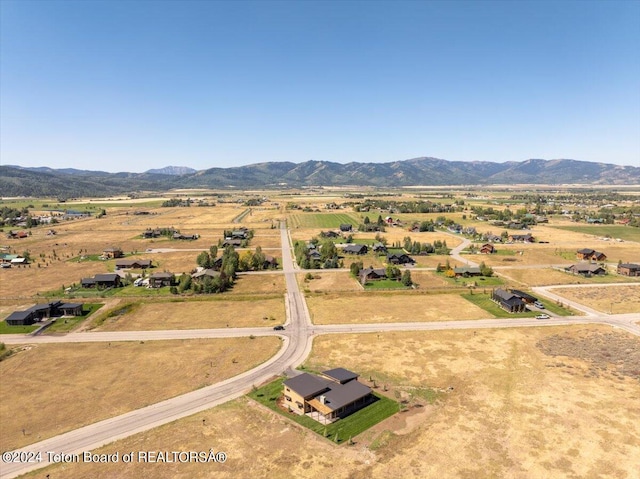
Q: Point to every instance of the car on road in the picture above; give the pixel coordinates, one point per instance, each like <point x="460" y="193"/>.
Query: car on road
<point x="538" y="305"/>
<point x="543" y="316"/>
<point x="278" y="328"/>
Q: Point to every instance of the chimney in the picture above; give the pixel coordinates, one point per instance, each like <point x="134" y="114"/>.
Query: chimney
<point x="323" y="399"/>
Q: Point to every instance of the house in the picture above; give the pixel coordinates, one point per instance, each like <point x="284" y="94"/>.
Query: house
<point x="487" y="248"/>
<point x="241" y="234"/>
<point x="379" y="248"/>
<point x="107" y="280"/>
<point x="17" y="234"/>
<point x="400" y="258"/>
<point x="39" y="312"/>
<point x="180" y="236"/>
<point x="516" y="226"/>
<point x="159" y="279"/>
<point x="469" y="230"/>
<point x="346" y="227"/>
<point x="202" y="274"/>
<point x="629" y="269"/>
<point x="467" y="271"/>
<point x="133" y="264"/>
<point x="527" y="298"/>
<point x="112" y="252"/>
<point x="491" y="238"/>
<point x="356" y="249"/>
<point x="329" y="234"/>
<point x="586" y="269"/>
<point x="508" y="301"/>
<point x="270" y="262"/>
<point x="589" y="254"/>
<point x="521" y="238"/>
<point x="372" y="274"/>
<point x="314" y="255"/>
<point x="335" y="394"/>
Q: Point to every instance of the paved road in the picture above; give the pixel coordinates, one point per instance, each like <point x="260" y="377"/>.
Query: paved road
<point x="296" y="347"/>
<point x="297" y="340"/>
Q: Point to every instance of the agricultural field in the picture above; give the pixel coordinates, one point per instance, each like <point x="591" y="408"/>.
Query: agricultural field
<point x="616" y="299"/>
<point x="502" y="411"/>
<point x="197" y="314"/>
<point x="152" y="371"/>
<point x="322" y="220"/>
<point x="390" y="307"/>
<point x="625" y="233"/>
<point x="329" y="281"/>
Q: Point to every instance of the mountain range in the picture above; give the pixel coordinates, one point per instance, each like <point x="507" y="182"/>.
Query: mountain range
<point x="69" y="182"/>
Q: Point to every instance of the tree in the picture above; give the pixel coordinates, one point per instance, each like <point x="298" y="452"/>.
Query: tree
<point x="366" y="220"/>
<point x="204" y="260"/>
<point x="406" y="278"/>
<point x="213" y="251"/>
<point x="355" y="268"/>
<point x="258" y="259"/>
<point x="485" y="270"/>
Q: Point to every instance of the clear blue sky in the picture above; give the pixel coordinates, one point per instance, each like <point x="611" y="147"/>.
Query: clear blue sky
<point x="128" y="85"/>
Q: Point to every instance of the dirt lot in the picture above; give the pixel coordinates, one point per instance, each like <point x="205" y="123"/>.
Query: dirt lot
<point x="509" y="414"/>
<point x="56" y="389"/>
<point x="199" y="315"/>
<point x="623" y="299"/>
<point x="390" y="308"/>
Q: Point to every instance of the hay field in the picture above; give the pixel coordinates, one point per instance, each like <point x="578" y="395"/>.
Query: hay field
<point x="620" y="299"/>
<point x="62" y="391"/>
<point x="390" y="308"/>
<point x="550" y="277"/>
<point x="329" y="281"/>
<point x="199" y="315"/>
<point x="513" y="412"/>
<point x="258" y="284"/>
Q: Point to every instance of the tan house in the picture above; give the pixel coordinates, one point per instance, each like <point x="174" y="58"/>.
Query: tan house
<point x="487" y="248"/>
<point x="629" y="269"/>
<point x="590" y="255"/>
<point x="334" y="394"/>
<point x="112" y="252"/>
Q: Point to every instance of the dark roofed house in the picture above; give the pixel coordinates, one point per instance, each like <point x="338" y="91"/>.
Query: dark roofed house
<point x="329" y="234"/>
<point x="161" y="278"/>
<point x="508" y="301"/>
<point x="201" y="275"/>
<point x="522" y="238"/>
<point x="133" y="264"/>
<point x="337" y="394"/>
<point x="21" y="318"/>
<point x="466" y="271"/>
<point x="527" y="298"/>
<point x="487" y="248"/>
<point x="346" y="227"/>
<point x="356" y="249"/>
<point x="236" y="243"/>
<point x="629" y="269"/>
<point x="379" y="248"/>
<point x="586" y="269"/>
<point x="270" y="262"/>
<point x="372" y="274"/>
<point x="400" y="258"/>
<point x="106" y="280"/>
<point x="584" y="253"/>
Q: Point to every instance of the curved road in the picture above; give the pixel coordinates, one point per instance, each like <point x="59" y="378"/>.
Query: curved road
<point x="297" y="341"/>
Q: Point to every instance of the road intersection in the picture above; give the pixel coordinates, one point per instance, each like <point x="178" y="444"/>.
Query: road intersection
<point x="296" y="346"/>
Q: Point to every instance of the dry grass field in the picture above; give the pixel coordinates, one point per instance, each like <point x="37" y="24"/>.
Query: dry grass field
<point x="57" y="389"/>
<point x="390" y="307"/>
<point x="514" y="411"/>
<point x="199" y="315"/>
<point x="258" y="284"/>
<point x="622" y="299"/>
<point x="331" y="281"/>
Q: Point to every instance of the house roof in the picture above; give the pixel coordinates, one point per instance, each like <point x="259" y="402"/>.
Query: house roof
<point x="507" y="297"/>
<point x="586" y="251"/>
<point x="206" y="272"/>
<point x="340" y="395"/>
<point x="70" y="305"/>
<point x="131" y="262"/>
<point x="106" y="277"/>
<point x="19" y="315"/>
<point x="376" y="271"/>
<point x="467" y="269"/>
<point x="585" y="268"/>
<point x="629" y="265"/>
<point x="307" y="385"/>
<point x="355" y="248"/>
<point x="524" y="295"/>
<point x="341" y="375"/>
<point x="161" y="275"/>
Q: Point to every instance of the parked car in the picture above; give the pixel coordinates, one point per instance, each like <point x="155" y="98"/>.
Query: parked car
<point x="278" y="328"/>
<point x="543" y="316"/>
<point x="538" y="305"/>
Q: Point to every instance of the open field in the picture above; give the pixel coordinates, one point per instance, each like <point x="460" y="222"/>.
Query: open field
<point x="258" y="284"/>
<point x="197" y="314"/>
<point x="626" y="233"/>
<point x="322" y="220"/>
<point x="331" y="281"/>
<point x="508" y="414"/>
<point x="620" y="299"/>
<point x="390" y="307"/>
<point x="131" y="375"/>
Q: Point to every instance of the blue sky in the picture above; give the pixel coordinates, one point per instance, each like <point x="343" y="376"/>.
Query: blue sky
<point x="128" y="86"/>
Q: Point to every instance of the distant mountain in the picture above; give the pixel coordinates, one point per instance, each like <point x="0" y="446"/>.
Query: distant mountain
<point x="18" y="181"/>
<point x="172" y="170"/>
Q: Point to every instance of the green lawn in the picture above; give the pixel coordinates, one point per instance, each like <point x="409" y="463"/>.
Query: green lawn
<point x="484" y="301"/>
<point x="340" y="431"/>
<point x="552" y="307"/>
<point x="628" y="233"/>
<point x="6" y="329"/>
<point x="323" y="220"/>
<point x="67" y="324"/>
